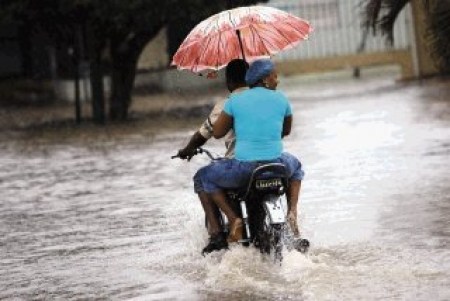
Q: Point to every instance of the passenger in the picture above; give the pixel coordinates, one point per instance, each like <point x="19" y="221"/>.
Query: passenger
<point x="235" y="81"/>
<point x="260" y="117"/>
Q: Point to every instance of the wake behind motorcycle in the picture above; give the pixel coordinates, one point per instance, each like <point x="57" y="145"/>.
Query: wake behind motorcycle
<point x="262" y="205"/>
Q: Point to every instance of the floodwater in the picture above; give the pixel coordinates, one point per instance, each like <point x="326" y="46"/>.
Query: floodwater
<point x="105" y="214"/>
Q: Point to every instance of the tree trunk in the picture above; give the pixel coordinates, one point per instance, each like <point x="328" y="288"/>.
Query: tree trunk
<point x="97" y="87"/>
<point x="122" y="80"/>
<point x="125" y="53"/>
<point x="96" y="75"/>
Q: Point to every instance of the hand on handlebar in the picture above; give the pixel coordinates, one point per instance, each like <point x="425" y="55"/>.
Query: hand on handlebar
<point x="186" y="153"/>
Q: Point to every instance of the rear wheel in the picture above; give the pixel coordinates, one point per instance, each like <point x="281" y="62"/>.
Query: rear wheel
<point x="276" y="242"/>
<point x="270" y="240"/>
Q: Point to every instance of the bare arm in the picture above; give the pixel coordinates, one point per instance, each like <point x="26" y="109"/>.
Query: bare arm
<point x="196" y="141"/>
<point x="287" y="125"/>
<point x="204" y="133"/>
<point x="189" y="150"/>
<point x="223" y="124"/>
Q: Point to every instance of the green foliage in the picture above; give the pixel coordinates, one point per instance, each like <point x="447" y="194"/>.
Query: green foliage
<point x="381" y="15"/>
<point x="111" y="18"/>
<point x="114" y="30"/>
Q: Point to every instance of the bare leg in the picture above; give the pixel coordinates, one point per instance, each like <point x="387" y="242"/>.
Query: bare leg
<point x="293" y="196"/>
<point x="217" y="241"/>
<point x="221" y="201"/>
<point x="235" y="222"/>
<point x="211" y="213"/>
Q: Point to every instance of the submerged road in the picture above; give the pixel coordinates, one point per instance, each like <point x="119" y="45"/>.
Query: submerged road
<point x="106" y="215"/>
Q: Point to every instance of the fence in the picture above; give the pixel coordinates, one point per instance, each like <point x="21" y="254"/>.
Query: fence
<point x="337" y="35"/>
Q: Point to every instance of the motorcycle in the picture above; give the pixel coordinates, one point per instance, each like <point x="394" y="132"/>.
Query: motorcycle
<point x="262" y="205"/>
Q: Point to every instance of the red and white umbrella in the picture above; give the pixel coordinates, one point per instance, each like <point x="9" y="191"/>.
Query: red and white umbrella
<point x="249" y="32"/>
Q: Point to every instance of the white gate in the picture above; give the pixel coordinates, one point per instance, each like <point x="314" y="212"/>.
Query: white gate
<point x="337" y="32"/>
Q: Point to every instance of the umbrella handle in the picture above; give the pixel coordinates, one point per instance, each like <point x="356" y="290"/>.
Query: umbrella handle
<point x="238" y="32"/>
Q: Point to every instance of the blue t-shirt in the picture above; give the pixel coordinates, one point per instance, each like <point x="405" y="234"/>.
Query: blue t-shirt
<point x="258" y="115"/>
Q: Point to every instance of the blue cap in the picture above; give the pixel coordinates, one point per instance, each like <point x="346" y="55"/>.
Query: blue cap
<point x="258" y="70"/>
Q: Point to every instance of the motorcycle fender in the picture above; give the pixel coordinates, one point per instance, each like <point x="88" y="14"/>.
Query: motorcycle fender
<point x="274" y="208"/>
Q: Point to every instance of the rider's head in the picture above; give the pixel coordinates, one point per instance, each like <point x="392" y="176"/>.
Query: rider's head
<point x="262" y="73"/>
<point x="235" y="74"/>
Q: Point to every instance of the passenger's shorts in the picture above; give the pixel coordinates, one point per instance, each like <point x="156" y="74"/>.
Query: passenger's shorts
<point x="232" y="173"/>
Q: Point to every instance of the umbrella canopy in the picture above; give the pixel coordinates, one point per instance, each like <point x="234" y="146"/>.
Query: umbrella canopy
<point x="250" y="32"/>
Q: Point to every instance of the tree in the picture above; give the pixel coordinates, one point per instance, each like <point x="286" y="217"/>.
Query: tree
<point x="116" y="32"/>
<point x="380" y="16"/>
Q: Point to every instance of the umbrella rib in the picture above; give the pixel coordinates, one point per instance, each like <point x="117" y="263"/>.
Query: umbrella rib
<point x="182" y="60"/>
<point x="267" y="15"/>
<point x="205" y="48"/>
<point x="231" y="20"/>
<point x="219" y="42"/>
<point x="207" y="28"/>
<point x="282" y="35"/>
<point x="262" y="39"/>
<point x="202" y="53"/>
<point x="254" y="37"/>
<point x="297" y="30"/>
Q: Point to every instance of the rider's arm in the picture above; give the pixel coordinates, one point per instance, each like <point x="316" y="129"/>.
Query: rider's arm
<point x="202" y="135"/>
<point x="287" y="125"/>
<point x="223" y="124"/>
<point x="196" y="141"/>
<point x="189" y="150"/>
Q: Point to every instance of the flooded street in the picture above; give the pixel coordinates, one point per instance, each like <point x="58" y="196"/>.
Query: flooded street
<point x="112" y="217"/>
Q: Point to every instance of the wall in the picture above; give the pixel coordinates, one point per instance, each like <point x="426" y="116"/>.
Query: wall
<point x="426" y="64"/>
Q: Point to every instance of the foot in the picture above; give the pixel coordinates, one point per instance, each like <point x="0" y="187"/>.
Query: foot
<point x="301" y="245"/>
<point x="217" y="242"/>
<point x="292" y="219"/>
<point x="236" y="230"/>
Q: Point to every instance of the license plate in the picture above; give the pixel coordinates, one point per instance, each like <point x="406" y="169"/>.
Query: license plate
<point x="268" y="183"/>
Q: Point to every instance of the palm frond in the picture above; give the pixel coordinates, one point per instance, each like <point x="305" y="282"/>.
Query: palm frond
<point x="371" y="12"/>
<point x="381" y="14"/>
<point x="386" y="24"/>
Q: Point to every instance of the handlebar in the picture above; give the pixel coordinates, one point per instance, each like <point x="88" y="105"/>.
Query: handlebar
<point x="199" y="150"/>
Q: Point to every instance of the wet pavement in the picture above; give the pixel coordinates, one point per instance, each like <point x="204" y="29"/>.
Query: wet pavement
<point x="104" y="214"/>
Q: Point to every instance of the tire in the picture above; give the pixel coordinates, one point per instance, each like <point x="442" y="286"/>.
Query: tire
<point x="276" y="242"/>
<point x="270" y="241"/>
